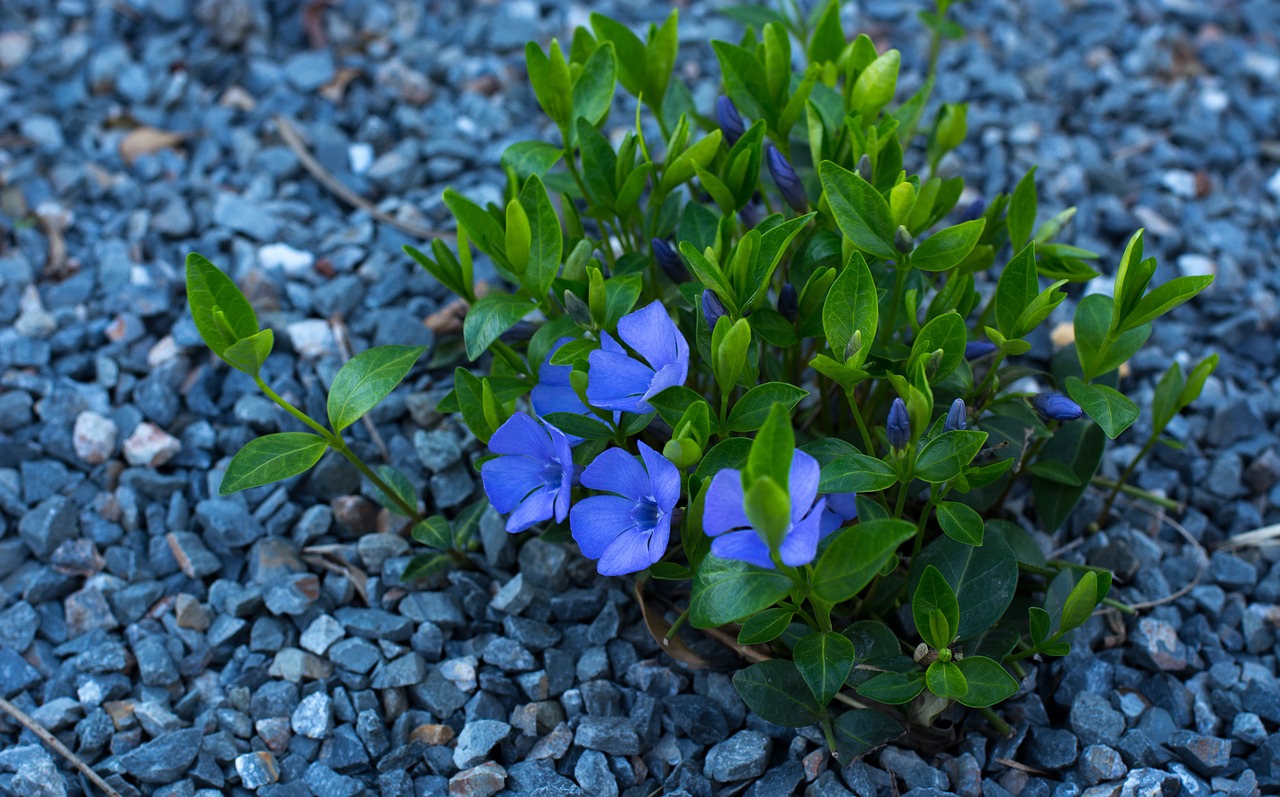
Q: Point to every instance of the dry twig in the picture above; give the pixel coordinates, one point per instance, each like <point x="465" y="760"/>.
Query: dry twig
<point x="25" y="720"/>
<point x="293" y="139"/>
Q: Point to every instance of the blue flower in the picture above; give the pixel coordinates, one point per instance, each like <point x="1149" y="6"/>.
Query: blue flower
<point x="669" y="261"/>
<point x="730" y="120"/>
<point x="978" y="348"/>
<point x="617" y="381"/>
<point x="957" y="417"/>
<point x="533" y="475"/>
<point x="629" y="529"/>
<point x="841" y="508"/>
<point x="788" y="302"/>
<point x="554" y="392"/>
<point x="1056" y="407"/>
<point x="898" y="429"/>
<point x="724" y="518"/>
<point x="785" y="177"/>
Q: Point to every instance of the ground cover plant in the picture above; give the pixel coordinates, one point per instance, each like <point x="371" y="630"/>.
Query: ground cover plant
<point x="748" y="351"/>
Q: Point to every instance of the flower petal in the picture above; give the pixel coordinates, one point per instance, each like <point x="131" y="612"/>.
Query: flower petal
<point x="548" y="398"/>
<point x="659" y="537"/>
<point x="539" y="506"/>
<point x="617" y="382"/>
<point x="667" y="376"/>
<point x="521" y="434"/>
<point x="617" y="471"/>
<point x="597" y="521"/>
<point x="627" y="554"/>
<point x="801" y="543"/>
<point x="509" y="479"/>
<point x="723" y="508"/>
<point x="843" y="504"/>
<point x="555" y="375"/>
<point x="664" y="478"/>
<point x="652" y="333"/>
<point x="745" y="546"/>
<point x="802" y="484"/>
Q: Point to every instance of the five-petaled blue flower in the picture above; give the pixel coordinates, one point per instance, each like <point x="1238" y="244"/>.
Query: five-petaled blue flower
<point x="617" y="381"/>
<point x="841" y="508"/>
<point x="628" y="530"/>
<point x="725" y="519"/>
<point x="533" y="475"/>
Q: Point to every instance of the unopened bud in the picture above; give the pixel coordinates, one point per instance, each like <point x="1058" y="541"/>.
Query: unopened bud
<point x="788" y="302"/>
<point x="788" y="182"/>
<point x="578" y="310"/>
<point x="974" y="210"/>
<point x="864" y="167"/>
<point x="712" y="308"/>
<point x="683" y="452"/>
<point x="978" y="348"/>
<point x="953" y="125"/>
<point x="730" y="120"/>
<point x="934" y="363"/>
<point x="668" y="259"/>
<point x="898" y="428"/>
<point x="1056" y="407"/>
<point x="855" y="345"/>
<point x="902" y="240"/>
<point x="957" y="417"/>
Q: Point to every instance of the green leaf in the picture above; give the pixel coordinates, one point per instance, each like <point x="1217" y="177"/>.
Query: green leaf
<point x="482" y="229"/>
<point x="1039" y="308"/>
<point x="745" y="80"/>
<point x="670" y="571"/>
<point x="1132" y="277"/>
<point x="946" y="248"/>
<point x="584" y="426"/>
<point x="984" y="578"/>
<point x="684" y="166"/>
<point x="367" y="379"/>
<point x="828" y="40"/>
<point x="710" y="275"/>
<point x="946" y="680"/>
<point x="248" y="354"/>
<point x="750" y="411"/>
<point x="672" y="403"/>
<point x="210" y="291"/>
<point x="467" y="524"/>
<point x="1100" y="353"/>
<point x="630" y="52"/>
<point x="546" y="241"/>
<point x="1017" y="288"/>
<point x="857" y="473"/>
<point x="599" y="164"/>
<point x="875" y="86"/>
<point x="1057" y="472"/>
<point x="960" y="522"/>
<point x="860" y="731"/>
<point x="434" y="532"/>
<point x="772" y="246"/>
<point x="727" y="590"/>
<point x="270" y="459"/>
<point x="766" y="626"/>
<point x="1164" y="298"/>
<point x="424" y="566"/>
<point x="1080" y="446"/>
<point x="933" y="598"/>
<point x="530" y="157"/>
<point x="773" y="449"/>
<point x="986" y="682"/>
<point x="731" y="452"/>
<point x="400" y="485"/>
<point x="946" y="332"/>
<point x="489" y="317"/>
<point x="945" y="457"/>
<point x="852" y="306"/>
<point x="1108" y="407"/>
<point x="593" y="90"/>
<point x="660" y="58"/>
<point x="855" y="555"/>
<point x="1039" y="622"/>
<point x="774" y="691"/>
<point x="860" y="211"/>
<point x="1022" y="210"/>
<point x="445" y="272"/>
<point x="893" y="688"/>
<point x="1080" y="604"/>
<point x="824" y="660"/>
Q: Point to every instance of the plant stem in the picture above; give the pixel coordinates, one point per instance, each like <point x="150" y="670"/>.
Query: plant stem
<point x="329" y="437"/>
<point x="1000" y="725"/>
<point x="899" y="281"/>
<point x="1121" y="483"/>
<point x="367" y="472"/>
<point x="869" y="448"/>
<point x="1137" y="492"/>
<point x="1115" y="604"/>
<point x="901" y="503"/>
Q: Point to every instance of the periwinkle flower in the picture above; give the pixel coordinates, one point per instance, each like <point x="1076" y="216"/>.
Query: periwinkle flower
<point x="533" y="475"/>
<point x="1056" y="407"/>
<point x="785" y="177"/>
<point x="898" y="428"/>
<point x="554" y="392"/>
<point x="628" y="530"/>
<point x="788" y="302"/>
<point x="617" y="381"/>
<point x="724" y="518"/>
<point x="957" y="417"/>
<point x="841" y="508"/>
<point x="978" y="348"/>
<point x="730" y="120"/>
<point x="669" y="261"/>
<point x="712" y="308"/>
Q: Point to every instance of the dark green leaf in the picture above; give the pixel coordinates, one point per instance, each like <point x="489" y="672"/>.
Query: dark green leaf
<point x="860" y="731"/>
<point x="400" y="485"/>
<point x="960" y="522"/>
<point x="434" y="532"/>
<point x="893" y="688"/>
<point x="208" y="291"/>
<point x="1016" y="290"/>
<point x="944" y="457"/>
<point x="271" y="458"/>
<point x="774" y="691"/>
<point x="1080" y="603"/>
<point x="824" y="660"/>
<point x="766" y="626"/>
<point x="855" y="556"/>
<point x="987" y="683"/>
<point x="1080" y="446"/>
<point x="857" y="473"/>
<point x="729" y="453"/>
<point x="482" y="229"/>
<point x="750" y="411"/>
<point x="1107" y="406"/>
<point x="945" y="680"/>
<point x="489" y="317"/>
<point x="852" y="306"/>
<point x="861" y="213"/>
<point x="932" y="598"/>
<point x="367" y="379"/>
<point x="1054" y="471"/>
<point x="425" y="566"/>
<point x="984" y="578"/>
<point x="948" y="333"/>
<point x="727" y="590"/>
<point x="630" y="52"/>
<point x="946" y="248"/>
<point x="583" y="426"/>
<point x="546" y="242"/>
<point x="1022" y="210"/>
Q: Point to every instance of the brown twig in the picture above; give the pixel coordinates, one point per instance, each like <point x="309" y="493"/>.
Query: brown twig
<point x="344" y="348"/>
<point x="1161" y="517"/>
<point x="27" y="722"/>
<point x="293" y="140"/>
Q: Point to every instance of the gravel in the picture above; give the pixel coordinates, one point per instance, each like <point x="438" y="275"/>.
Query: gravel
<point x="182" y="643"/>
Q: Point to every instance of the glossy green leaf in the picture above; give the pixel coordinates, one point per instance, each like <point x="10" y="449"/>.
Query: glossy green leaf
<point x="271" y="458"/>
<point x="931" y="599"/>
<point x="857" y="473"/>
<point x="434" y="532"/>
<point x="824" y="659"/>
<point x="248" y="354"/>
<point x="1107" y="406"/>
<point x="1098" y="351"/>
<point x="584" y="426"/>
<point x="489" y="317"/>
<point x="1080" y="603"/>
<point x="893" y="688"/>
<point x="1016" y="290"/>
<point x="852" y="306"/>
<point x="593" y="90"/>
<point x="774" y="691"/>
<point x="766" y="626"/>
<point x="400" y="485"/>
<point x="727" y="590"/>
<point x="482" y="229"/>
<point x="944" y="457"/>
<point x="630" y="51"/>
<point x="946" y="248"/>
<point x="960" y="522"/>
<point x="948" y="333"/>
<point x="860" y="731"/>
<point x="855" y="555"/>
<point x="1079" y="446"/>
<point x="1164" y="298"/>
<point x="1022" y="210"/>
<point x="984" y="578"/>
<point x="986" y="682"/>
<point x="861" y="213"/>
<point x="698" y="154"/>
<point x="946" y="680"/>
<point x="209" y="291"/>
<point x="531" y="157"/>
<point x="750" y="411"/>
<point x="367" y="379"/>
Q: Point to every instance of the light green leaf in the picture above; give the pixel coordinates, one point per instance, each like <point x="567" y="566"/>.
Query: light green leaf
<point x="893" y="688"/>
<point x="531" y="157"/>
<point x="367" y="379"/>
<point x="482" y="229"/>
<point x="944" y="457"/>
<point x="750" y="411"/>
<point x="945" y="249"/>
<point x="986" y="682"/>
<point x="593" y="90"/>
<point x="1108" y="407"/>
<point x="960" y="522"/>
<point x="860" y="211"/>
<point x="1164" y="298"/>
<point x="856" y="472"/>
<point x="1017" y="288"/>
<point x="209" y="291"/>
<point x="933" y="598"/>
<point x="1022" y="210"/>
<point x="852" y="306"/>
<point x="946" y="680"/>
<point x="489" y="317"/>
<point x="546" y="240"/>
<point x="270" y="459"/>
<point x="248" y="354"/>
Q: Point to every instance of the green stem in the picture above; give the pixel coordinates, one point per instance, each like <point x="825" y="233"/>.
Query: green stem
<point x="899" y="282"/>
<point x="1000" y="725"/>
<point x="684" y="615"/>
<point x="980" y="393"/>
<point x="1063" y="564"/>
<point x="329" y="437"/>
<point x="1121" y="484"/>
<point x="1115" y="604"/>
<point x="868" y="447"/>
<point x="367" y="472"/>
<point x="902" y="501"/>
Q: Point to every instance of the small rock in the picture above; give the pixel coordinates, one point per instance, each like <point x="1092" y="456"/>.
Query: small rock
<point x="1094" y="721"/>
<point x="257" y="770"/>
<point x="292" y="262"/>
<point x="437" y="449"/>
<point x="51" y="523"/>
<point x="312" y="338"/>
<point x="1158" y="646"/>
<point x="476" y="740"/>
<point x="593" y="775"/>
<point x="1052" y="748"/>
<point x="1099" y="763"/>
<point x="165" y="759"/>
<point x="294" y="665"/>
<point x="484" y="780"/>
<point x="408" y="670"/>
<point x="150" y="446"/>
<point x="321" y="634"/>
<point x="612" y="735"/>
<point x="313" y="718"/>
<point x="93" y="438"/>
<point x="740" y="757"/>
<point x="1207" y="755"/>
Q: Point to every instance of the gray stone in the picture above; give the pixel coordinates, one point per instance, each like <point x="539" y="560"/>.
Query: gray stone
<point x="1207" y="755"/>
<point x="1094" y="721"/>
<point x="163" y="760"/>
<point x="612" y="735"/>
<point x="52" y="522"/>
<point x="355" y="655"/>
<point x="18" y="626"/>
<point x="257" y="770"/>
<point x="1231" y="571"/>
<point x="1247" y="727"/>
<point x="313" y="718"/>
<point x="740" y="757"/>
<point x="437" y="449"/>
<point x="407" y="670"/>
<point x="908" y="765"/>
<point x="324" y="782"/>
<point x="484" y="780"/>
<point x="1157" y="645"/>
<point x="321" y="634"/>
<point x="37" y="776"/>
<point x="310" y="69"/>
<point x="476" y="740"/>
<point x="545" y="565"/>
<point x="1051" y="748"/>
<point x="227" y="524"/>
<point x="1099" y="763"/>
<point x="593" y="775"/>
<point x="374" y="624"/>
<point x="508" y="655"/>
<point x="244" y="216"/>
<point x="441" y="608"/>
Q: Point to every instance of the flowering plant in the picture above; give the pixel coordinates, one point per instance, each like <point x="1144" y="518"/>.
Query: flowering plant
<point x="808" y="396"/>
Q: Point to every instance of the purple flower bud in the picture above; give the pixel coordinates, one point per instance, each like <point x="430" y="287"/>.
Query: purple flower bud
<point x="712" y="308"/>
<point x="898" y="429"/>
<point x="957" y="417"/>
<point x="978" y="348"/>
<point x="730" y="120"/>
<point x="975" y="210"/>
<point x="669" y="261"/>
<point x="788" y="182"/>
<point x="1056" y="407"/>
<point x="788" y="303"/>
